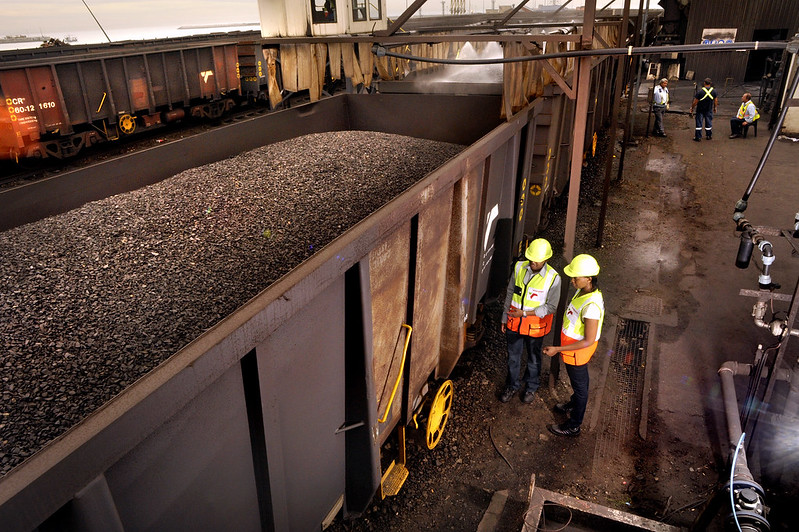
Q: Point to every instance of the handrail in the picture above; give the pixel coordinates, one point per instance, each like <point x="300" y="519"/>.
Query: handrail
<point x="399" y="375"/>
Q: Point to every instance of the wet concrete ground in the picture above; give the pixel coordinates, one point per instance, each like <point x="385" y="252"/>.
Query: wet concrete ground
<point x="682" y="249"/>
<point x="659" y="449"/>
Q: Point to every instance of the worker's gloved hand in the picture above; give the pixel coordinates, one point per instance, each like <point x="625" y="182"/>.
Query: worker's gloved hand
<point x="667" y="107"/>
<point x="690" y="114"/>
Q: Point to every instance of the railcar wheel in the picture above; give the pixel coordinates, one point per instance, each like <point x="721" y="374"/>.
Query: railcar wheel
<point x="439" y="414"/>
<point x="127" y="124"/>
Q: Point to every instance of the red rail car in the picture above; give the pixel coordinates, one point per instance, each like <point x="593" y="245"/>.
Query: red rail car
<point x="57" y="103"/>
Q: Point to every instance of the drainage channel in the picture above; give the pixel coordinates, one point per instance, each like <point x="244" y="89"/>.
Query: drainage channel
<point x="623" y="394"/>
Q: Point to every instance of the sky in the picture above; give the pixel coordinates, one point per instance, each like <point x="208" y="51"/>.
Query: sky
<point x="129" y="19"/>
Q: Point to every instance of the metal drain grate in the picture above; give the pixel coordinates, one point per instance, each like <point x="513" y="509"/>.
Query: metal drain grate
<point x="646" y="305"/>
<point x="621" y="405"/>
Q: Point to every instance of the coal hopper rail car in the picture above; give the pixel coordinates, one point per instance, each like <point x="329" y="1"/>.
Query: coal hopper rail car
<point x="61" y="100"/>
<point x="276" y="417"/>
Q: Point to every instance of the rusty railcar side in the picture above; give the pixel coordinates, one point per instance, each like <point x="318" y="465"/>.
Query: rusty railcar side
<point x="272" y="419"/>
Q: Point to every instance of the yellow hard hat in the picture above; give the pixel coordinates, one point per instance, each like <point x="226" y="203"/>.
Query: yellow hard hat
<point x="539" y="250"/>
<point x="582" y="266"/>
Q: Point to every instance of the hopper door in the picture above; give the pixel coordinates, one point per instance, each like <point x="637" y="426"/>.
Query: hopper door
<point x="494" y="222"/>
<point x="301" y="369"/>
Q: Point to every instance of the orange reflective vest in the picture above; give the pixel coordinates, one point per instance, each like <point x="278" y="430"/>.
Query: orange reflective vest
<point x="528" y="297"/>
<point x="574" y="327"/>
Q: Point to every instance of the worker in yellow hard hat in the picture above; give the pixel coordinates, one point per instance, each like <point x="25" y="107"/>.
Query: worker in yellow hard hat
<point x="582" y="326"/>
<point x="533" y="295"/>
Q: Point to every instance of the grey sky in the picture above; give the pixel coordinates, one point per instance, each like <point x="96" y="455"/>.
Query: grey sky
<point x="120" y="18"/>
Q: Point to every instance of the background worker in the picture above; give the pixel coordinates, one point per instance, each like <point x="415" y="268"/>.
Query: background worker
<point x="747" y="114"/>
<point x="532" y="297"/>
<point x="706" y="103"/>
<point x="582" y="325"/>
<point x="659" y="106"/>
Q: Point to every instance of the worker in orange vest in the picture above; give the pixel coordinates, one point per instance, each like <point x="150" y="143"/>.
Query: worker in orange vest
<point x="582" y="326"/>
<point x="532" y="297"/>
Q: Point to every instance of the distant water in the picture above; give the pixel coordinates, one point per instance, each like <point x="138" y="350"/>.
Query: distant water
<point x="133" y="34"/>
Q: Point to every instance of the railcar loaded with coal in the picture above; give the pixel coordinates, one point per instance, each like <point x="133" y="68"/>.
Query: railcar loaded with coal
<point x="276" y="416"/>
<point x="61" y="100"/>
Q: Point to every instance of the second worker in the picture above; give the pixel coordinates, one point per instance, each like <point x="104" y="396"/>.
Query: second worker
<point x="532" y="298"/>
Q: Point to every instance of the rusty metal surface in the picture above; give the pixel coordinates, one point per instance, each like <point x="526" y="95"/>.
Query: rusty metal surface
<point x="388" y="280"/>
<point x="429" y="292"/>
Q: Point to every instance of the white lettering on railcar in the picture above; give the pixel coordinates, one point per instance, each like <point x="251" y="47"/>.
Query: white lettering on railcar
<point x="492" y="215"/>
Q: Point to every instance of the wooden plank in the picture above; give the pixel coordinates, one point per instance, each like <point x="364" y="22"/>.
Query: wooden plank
<point x="351" y="68"/>
<point x="275" y="94"/>
<point x="365" y="57"/>
<point x="288" y="66"/>
<point x="334" y="49"/>
<point x="305" y="66"/>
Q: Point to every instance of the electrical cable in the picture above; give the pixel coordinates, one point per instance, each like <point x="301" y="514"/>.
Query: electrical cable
<point x="732" y="476"/>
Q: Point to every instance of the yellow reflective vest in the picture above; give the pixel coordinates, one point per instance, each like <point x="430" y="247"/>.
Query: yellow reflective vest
<point x="574" y="327"/>
<point x="528" y="297"/>
<point x="742" y="112"/>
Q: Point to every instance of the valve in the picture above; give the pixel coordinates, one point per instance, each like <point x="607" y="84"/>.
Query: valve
<point x="749" y="510"/>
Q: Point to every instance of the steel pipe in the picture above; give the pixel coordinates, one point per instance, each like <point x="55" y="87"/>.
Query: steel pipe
<point x="381" y="51"/>
<point x="741" y="205"/>
<point x="726" y="372"/>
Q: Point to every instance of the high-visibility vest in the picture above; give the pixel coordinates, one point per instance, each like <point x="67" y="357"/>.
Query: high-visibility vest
<point x="742" y="111"/>
<point x="708" y="93"/>
<point x="574" y="327"/>
<point x="528" y="297"/>
<point x="662" y="94"/>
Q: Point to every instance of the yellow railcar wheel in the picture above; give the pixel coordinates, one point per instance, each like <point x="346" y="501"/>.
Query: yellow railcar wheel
<point x="439" y="414"/>
<point x="127" y="124"/>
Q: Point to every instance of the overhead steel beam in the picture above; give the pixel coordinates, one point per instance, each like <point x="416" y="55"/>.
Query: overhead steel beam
<point x="583" y="88"/>
<point x="402" y="19"/>
<point x="514" y="11"/>
<point x="617" y="87"/>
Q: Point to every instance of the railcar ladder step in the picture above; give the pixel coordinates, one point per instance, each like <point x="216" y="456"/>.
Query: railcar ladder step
<point x="393" y="479"/>
<point x="397" y="472"/>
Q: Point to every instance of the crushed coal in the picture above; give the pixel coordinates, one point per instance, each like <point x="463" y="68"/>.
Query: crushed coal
<point x="95" y="298"/>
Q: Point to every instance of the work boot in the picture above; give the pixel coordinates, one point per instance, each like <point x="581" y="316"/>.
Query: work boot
<point x="697" y="139"/>
<point x="709" y="137"/>
<point x="507" y="395"/>
<point x="528" y="397"/>
<point x="563" y="430"/>
<point x="734" y="136"/>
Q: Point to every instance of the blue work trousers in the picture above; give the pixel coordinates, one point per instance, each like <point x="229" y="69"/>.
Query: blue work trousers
<point x="578" y="376"/>
<point x="704" y="119"/>
<point x="516" y="344"/>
